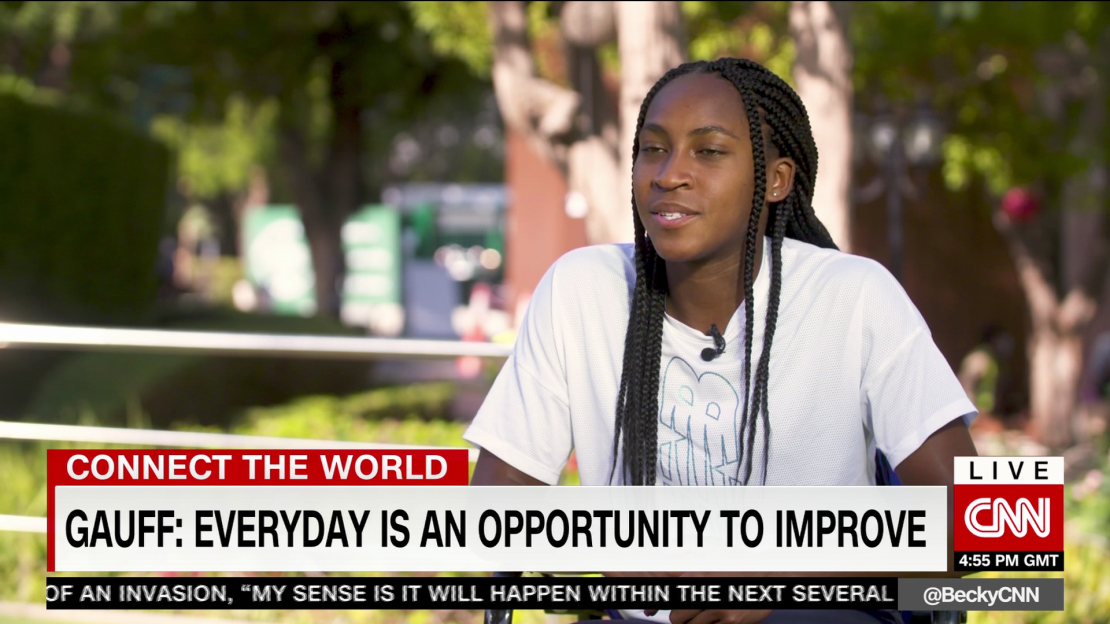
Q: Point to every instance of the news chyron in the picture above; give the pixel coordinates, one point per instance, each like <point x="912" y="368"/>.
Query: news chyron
<point x="1009" y="514"/>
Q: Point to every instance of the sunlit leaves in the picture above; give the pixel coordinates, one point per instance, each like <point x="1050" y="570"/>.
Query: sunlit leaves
<point x="962" y="159"/>
<point x="755" y="30"/>
<point x="216" y="157"/>
<point x="981" y="64"/>
<point x="459" y="29"/>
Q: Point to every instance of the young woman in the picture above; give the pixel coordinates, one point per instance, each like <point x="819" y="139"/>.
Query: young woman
<point x="732" y="344"/>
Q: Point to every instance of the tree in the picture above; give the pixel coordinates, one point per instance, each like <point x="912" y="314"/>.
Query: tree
<point x="327" y="67"/>
<point x="569" y="116"/>
<point x="574" y="125"/>
<point x="222" y="164"/>
<point x="38" y="36"/>
<point x="1023" y="82"/>
<point x="219" y="160"/>
<point x="823" y="79"/>
<point x="573" y="85"/>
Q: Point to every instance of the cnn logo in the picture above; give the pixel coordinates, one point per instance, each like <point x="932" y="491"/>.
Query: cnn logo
<point x="1009" y="504"/>
<point x="1019" y="520"/>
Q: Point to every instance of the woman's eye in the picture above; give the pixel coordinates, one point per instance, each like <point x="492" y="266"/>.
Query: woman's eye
<point x="709" y="151"/>
<point x="651" y="149"/>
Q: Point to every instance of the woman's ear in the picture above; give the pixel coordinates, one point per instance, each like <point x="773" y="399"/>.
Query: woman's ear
<point x="780" y="179"/>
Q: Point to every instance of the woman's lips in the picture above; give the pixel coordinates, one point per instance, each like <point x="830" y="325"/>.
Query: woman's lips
<point x="672" y="220"/>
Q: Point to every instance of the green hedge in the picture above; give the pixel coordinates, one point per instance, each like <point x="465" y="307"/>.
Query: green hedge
<point x="82" y="201"/>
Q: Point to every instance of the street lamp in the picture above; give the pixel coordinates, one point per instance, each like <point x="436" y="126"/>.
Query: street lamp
<point x="895" y="144"/>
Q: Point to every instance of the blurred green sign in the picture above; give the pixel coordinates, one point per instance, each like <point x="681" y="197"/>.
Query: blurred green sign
<point x="372" y="288"/>
<point x="278" y="261"/>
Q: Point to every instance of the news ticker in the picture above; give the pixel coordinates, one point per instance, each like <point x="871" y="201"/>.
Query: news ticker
<point x="327" y="511"/>
<point x="555" y="594"/>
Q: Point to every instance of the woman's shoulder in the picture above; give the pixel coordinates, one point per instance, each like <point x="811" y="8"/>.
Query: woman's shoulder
<point x="845" y="271"/>
<point x="828" y="259"/>
<point x="616" y="258"/>
<point x="838" y="280"/>
<point x="594" y="268"/>
<point x="590" y="278"/>
<point x="585" y="291"/>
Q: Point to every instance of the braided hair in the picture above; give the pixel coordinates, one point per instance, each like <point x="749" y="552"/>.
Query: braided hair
<point x="767" y="99"/>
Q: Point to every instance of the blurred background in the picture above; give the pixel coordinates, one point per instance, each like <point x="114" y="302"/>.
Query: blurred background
<point x="410" y="170"/>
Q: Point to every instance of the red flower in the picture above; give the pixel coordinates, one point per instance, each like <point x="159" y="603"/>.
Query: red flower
<point x="1020" y="205"/>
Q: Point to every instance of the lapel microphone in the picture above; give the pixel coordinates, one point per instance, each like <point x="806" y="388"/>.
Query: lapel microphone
<point x="709" y="353"/>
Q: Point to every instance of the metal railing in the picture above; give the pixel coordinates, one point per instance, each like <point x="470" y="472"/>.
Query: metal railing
<point x="152" y="437"/>
<point x="228" y="343"/>
<point x="211" y="343"/>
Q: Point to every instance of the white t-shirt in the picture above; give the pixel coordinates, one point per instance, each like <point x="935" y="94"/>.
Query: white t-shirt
<point x="853" y="368"/>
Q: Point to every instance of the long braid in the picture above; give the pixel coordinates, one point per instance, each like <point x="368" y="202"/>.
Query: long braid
<point x="767" y="99"/>
<point x="778" y="232"/>
<point x="653" y="350"/>
<point x="760" y="163"/>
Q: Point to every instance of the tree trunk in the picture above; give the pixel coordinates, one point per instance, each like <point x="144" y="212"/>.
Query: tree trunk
<point x="327" y="198"/>
<point x="542" y="111"/>
<point x="1078" y="270"/>
<point x="12" y="53"/>
<point x="342" y="168"/>
<point x="1056" y="362"/>
<point x="592" y="167"/>
<point x="321" y="231"/>
<point x="1062" y="256"/>
<point x="257" y="193"/>
<point x="823" y="78"/>
<point x="56" y="70"/>
<point x="575" y="128"/>
<point x="652" y="41"/>
<point x="325" y="245"/>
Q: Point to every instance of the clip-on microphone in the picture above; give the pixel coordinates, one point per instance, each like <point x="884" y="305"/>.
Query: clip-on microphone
<point x="709" y="353"/>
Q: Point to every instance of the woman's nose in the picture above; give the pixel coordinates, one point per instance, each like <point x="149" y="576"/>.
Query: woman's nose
<point x="672" y="173"/>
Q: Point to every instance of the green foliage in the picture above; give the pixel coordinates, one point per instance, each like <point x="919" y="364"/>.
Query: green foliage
<point x="46" y="34"/>
<point x="462" y="30"/>
<point x="459" y="29"/>
<point x="962" y="159"/>
<point x="215" y="158"/>
<point x="752" y="29"/>
<point x="24" y="89"/>
<point x="58" y="21"/>
<point x="249" y="48"/>
<point x="982" y="65"/>
<point x="952" y="11"/>
<point x="101" y="383"/>
<point x="710" y="25"/>
<point x="406" y="415"/>
<point x="227" y="270"/>
<point x="22" y="556"/>
<point x="1086" y="588"/>
<point x="249" y="74"/>
<point x="82" y="204"/>
<point x="755" y="30"/>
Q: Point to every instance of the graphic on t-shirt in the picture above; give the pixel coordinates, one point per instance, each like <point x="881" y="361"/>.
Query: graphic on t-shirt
<point x="698" y="436"/>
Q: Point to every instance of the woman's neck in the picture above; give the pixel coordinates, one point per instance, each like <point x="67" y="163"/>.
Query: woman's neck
<point x="708" y="293"/>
